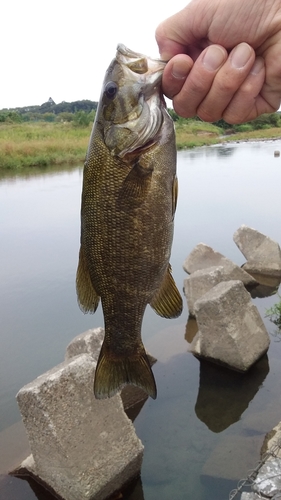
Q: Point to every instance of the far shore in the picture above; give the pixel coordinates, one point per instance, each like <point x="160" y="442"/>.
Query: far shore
<point x="42" y="144"/>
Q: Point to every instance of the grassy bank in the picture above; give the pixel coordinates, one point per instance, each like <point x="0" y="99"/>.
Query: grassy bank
<point x="42" y="143"/>
<point x="196" y="134"/>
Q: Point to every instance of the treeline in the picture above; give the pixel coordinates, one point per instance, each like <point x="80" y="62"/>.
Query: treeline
<point x="265" y="121"/>
<point x="80" y="112"/>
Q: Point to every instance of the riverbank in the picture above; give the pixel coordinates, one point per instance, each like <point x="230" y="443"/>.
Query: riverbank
<point x="42" y="143"/>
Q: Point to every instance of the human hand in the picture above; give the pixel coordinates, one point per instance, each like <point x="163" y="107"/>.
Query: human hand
<point x="224" y="59"/>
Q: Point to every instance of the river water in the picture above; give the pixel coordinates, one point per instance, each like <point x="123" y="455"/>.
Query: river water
<point x="207" y="426"/>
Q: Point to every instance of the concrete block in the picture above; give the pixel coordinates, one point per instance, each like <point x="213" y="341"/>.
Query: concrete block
<point x="231" y="331"/>
<point x="83" y="448"/>
<point x="262" y="253"/>
<point x="203" y="256"/>
<point x="90" y="342"/>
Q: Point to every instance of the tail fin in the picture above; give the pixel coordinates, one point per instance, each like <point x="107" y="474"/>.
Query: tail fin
<point x="112" y="373"/>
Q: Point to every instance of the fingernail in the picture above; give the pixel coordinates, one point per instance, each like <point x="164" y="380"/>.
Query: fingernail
<point x="180" y="70"/>
<point x="240" y="55"/>
<point x="257" y="66"/>
<point x="213" y="58"/>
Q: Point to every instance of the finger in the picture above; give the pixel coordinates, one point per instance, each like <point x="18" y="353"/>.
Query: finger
<point x="226" y="83"/>
<point x="190" y="26"/>
<point x="247" y="104"/>
<point x="271" y="91"/>
<point x="199" y="81"/>
<point x="172" y="36"/>
<point x="175" y="73"/>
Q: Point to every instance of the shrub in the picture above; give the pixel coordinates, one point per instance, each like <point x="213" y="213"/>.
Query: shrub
<point x="81" y="119"/>
<point x="244" y="127"/>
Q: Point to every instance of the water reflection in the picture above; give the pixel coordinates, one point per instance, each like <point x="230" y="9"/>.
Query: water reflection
<point x="191" y="329"/>
<point x="224" y="394"/>
<point x="220" y="188"/>
<point x="133" y="492"/>
<point x="225" y="151"/>
<point x="11" y="176"/>
<point x="26" y="488"/>
<point x="209" y="151"/>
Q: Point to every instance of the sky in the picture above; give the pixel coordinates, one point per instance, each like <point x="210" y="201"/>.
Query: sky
<point x="61" y="49"/>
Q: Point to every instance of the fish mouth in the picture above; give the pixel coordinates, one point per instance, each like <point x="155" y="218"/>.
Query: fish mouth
<point x="151" y="69"/>
<point x="144" y="119"/>
<point x="127" y="53"/>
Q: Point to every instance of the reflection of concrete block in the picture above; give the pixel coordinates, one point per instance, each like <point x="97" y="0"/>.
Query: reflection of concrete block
<point x="224" y="394"/>
<point x="81" y="447"/>
<point x="231" y="331"/>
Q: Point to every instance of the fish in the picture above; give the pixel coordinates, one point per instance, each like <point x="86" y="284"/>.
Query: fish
<point x="128" y="204"/>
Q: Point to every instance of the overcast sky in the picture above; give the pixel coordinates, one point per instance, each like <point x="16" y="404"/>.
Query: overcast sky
<point x="61" y="49"/>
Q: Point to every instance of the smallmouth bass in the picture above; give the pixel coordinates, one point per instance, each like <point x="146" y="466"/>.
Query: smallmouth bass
<point x="128" y="204"/>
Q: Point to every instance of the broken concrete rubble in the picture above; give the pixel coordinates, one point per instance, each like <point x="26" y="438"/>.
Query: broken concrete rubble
<point x="203" y="256"/>
<point x="273" y="440"/>
<point x="267" y="483"/>
<point x="231" y="331"/>
<point x="89" y="342"/>
<point x="268" y="480"/>
<point x="262" y="253"/>
<point x="201" y="281"/>
<point x="265" y="478"/>
<point x="81" y="447"/>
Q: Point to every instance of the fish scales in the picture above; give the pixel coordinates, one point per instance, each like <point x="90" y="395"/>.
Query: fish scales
<point x="128" y="204"/>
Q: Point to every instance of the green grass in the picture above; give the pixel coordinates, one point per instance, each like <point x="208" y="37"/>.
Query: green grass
<point x="195" y="133"/>
<point x="274" y="313"/>
<point x="41" y="144"/>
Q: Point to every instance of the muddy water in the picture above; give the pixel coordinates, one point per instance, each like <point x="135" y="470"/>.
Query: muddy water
<point x="207" y="426"/>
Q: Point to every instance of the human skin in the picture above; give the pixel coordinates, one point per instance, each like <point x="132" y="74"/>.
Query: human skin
<point x="224" y="59"/>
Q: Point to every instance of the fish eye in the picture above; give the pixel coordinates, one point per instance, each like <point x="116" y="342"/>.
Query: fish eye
<point x="110" y="90"/>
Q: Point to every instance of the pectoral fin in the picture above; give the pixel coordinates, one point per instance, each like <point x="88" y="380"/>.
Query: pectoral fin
<point x="135" y="186"/>
<point x="174" y="196"/>
<point x="88" y="298"/>
<point x="167" y="301"/>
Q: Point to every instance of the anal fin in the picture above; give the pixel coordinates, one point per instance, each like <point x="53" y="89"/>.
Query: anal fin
<point x="167" y="301"/>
